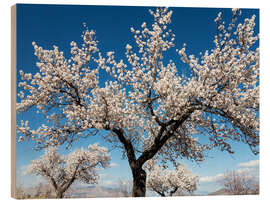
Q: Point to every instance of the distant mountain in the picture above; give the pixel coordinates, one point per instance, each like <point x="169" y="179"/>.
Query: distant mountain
<point x="91" y="186"/>
<point x="199" y="193"/>
<point x="221" y="191"/>
<point x="95" y="191"/>
<point x="92" y="191"/>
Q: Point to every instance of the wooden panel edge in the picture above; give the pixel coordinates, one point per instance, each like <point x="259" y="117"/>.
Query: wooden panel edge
<point x="13" y="99"/>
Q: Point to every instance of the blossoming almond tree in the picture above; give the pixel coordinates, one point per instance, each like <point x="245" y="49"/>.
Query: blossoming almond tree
<point x="167" y="182"/>
<point x="62" y="172"/>
<point x="147" y="107"/>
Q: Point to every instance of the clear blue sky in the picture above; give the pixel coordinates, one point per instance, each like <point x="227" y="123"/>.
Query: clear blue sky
<point x="50" y="25"/>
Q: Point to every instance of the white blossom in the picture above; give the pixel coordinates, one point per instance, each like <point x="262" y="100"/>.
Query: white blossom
<point x="128" y="47"/>
<point x="167" y="182"/>
<point x="62" y="171"/>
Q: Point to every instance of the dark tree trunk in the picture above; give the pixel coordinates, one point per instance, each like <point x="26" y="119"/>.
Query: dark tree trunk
<point x="139" y="183"/>
<point x="59" y="194"/>
<point x="139" y="175"/>
<point x="162" y="195"/>
<point x="173" y="191"/>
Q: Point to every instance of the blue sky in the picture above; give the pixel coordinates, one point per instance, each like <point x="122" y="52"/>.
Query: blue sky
<point x="50" y="25"/>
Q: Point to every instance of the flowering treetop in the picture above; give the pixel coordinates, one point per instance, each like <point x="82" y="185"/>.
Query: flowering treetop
<point x="167" y="182"/>
<point x="79" y="165"/>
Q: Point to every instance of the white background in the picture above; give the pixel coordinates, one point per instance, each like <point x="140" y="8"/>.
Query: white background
<point x="5" y="81"/>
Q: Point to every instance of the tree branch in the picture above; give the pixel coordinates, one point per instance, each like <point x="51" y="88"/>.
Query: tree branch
<point x="127" y="145"/>
<point x="161" y="139"/>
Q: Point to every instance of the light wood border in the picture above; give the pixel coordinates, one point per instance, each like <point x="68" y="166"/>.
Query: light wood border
<point x="13" y="99"/>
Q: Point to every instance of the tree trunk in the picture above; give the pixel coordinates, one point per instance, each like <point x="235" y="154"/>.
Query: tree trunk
<point x="162" y="194"/>
<point x="173" y="191"/>
<point x="139" y="183"/>
<point x="59" y="194"/>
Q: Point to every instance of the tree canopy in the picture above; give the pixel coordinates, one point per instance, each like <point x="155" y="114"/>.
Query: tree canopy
<point x="63" y="171"/>
<point x="167" y="182"/>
